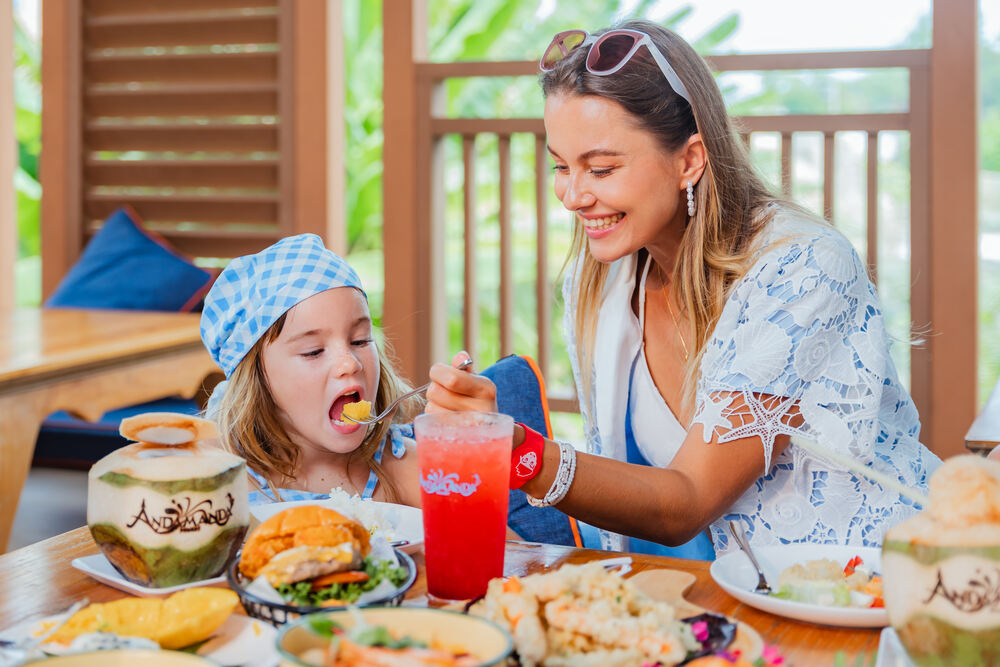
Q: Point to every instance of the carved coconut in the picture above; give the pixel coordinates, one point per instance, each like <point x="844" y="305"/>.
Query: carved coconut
<point x="941" y="569"/>
<point x="168" y="514"/>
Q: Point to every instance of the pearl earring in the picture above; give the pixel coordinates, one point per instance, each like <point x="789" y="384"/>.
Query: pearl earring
<point x="690" y="193"/>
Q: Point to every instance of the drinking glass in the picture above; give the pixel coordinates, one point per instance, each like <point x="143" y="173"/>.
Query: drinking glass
<point x="464" y="460"/>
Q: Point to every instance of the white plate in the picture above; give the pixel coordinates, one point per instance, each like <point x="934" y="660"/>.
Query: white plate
<point x="98" y="567"/>
<point x="241" y="640"/>
<point x="406" y="523"/>
<point x="736" y="575"/>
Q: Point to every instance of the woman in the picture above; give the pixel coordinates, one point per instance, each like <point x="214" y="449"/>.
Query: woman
<point x="710" y="323"/>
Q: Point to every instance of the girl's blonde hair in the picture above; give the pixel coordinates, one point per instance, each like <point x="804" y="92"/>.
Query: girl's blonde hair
<point x="731" y="200"/>
<point x="250" y="426"/>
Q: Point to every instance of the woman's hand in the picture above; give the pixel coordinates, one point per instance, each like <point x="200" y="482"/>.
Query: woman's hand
<point x="455" y="390"/>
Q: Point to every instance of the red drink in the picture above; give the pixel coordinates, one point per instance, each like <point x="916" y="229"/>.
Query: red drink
<point x="464" y="460"/>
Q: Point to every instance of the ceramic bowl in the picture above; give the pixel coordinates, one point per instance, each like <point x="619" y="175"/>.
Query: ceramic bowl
<point x="129" y="658"/>
<point x="480" y="637"/>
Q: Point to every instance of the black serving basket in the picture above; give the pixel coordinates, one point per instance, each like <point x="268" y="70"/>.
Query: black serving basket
<point x="277" y="614"/>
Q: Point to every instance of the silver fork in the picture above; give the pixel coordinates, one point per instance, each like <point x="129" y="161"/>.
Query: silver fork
<point x="741" y="540"/>
<point x="392" y="406"/>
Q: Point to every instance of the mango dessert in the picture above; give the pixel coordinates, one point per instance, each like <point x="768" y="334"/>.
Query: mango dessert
<point x="359" y="410"/>
<point x="169" y="509"/>
<point x="941" y="568"/>
<point x="183" y="619"/>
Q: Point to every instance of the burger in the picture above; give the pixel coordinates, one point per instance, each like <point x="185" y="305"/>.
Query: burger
<point x="316" y="556"/>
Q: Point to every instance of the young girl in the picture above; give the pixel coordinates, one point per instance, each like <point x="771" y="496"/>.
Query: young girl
<point x="290" y="328"/>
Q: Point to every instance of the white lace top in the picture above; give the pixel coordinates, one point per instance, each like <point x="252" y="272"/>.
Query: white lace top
<point x="805" y="326"/>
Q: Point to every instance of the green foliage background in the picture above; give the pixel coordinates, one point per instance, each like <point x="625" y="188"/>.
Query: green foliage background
<point x="28" y="128"/>
<point x="510" y="30"/>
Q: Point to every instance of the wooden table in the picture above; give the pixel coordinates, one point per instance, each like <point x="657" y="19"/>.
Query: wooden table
<point x="85" y="362"/>
<point x="984" y="434"/>
<point x="38" y="580"/>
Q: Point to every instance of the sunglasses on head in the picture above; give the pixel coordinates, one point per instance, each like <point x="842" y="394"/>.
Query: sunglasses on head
<point x="609" y="53"/>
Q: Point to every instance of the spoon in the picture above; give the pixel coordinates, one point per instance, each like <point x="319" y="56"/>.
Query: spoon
<point x="392" y="406"/>
<point x="741" y="540"/>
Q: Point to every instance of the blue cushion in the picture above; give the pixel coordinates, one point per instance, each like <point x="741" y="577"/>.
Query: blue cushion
<point x="66" y="441"/>
<point x="125" y="266"/>
<point x="520" y="395"/>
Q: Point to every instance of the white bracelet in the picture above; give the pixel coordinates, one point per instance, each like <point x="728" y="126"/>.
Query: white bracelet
<point x="563" y="480"/>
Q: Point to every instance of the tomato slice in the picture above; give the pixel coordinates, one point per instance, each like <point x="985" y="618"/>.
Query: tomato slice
<point x="349" y="577"/>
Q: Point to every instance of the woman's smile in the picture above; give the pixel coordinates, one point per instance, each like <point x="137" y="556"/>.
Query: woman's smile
<point x="600" y="226"/>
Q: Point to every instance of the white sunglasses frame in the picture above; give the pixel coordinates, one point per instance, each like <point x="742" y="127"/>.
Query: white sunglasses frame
<point x="643" y="40"/>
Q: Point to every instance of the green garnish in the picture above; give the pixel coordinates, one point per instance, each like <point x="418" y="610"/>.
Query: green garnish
<point x="325" y="627"/>
<point x="785" y="593"/>
<point x="302" y="595"/>
<point x="378" y="635"/>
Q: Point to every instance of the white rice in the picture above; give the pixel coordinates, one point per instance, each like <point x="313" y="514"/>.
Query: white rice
<point x="365" y="511"/>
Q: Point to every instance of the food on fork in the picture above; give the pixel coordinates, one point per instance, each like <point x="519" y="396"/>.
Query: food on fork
<point x="167" y="428"/>
<point x="168" y="514"/>
<point x="359" y="410"/>
<point x="184" y="618"/>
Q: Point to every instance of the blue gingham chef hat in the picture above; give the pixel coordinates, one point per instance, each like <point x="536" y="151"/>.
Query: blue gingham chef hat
<point x="253" y="291"/>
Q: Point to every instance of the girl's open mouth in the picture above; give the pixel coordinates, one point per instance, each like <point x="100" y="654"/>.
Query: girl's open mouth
<point x="340" y="424"/>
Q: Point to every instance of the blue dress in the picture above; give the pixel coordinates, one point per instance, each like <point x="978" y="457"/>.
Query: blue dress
<point x="264" y="495"/>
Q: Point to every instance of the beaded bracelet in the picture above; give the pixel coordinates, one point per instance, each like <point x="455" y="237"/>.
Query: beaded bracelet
<point x="563" y="480"/>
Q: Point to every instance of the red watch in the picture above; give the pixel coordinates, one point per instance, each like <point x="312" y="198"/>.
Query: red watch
<point x="526" y="458"/>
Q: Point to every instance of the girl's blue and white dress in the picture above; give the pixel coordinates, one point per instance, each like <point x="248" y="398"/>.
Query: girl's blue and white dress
<point x="398" y="434"/>
<point x="802" y="329"/>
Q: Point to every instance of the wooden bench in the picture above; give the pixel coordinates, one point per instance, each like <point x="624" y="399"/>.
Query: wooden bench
<point x="984" y="434"/>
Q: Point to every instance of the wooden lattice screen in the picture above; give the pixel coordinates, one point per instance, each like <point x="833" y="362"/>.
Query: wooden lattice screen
<point x="207" y="116"/>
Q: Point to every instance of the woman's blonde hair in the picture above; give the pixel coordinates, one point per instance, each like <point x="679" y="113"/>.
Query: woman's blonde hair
<point x="250" y="424"/>
<point x="731" y="200"/>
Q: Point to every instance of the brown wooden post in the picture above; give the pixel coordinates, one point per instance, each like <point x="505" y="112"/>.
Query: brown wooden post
<point x="920" y="242"/>
<point x="429" y="221"/>
<point x="59" y="164"/>
<point x="953" y="226"/>
<point x="310" y="121"/>
<point x="336" y="211"/>
<point x="872" y="206"/>
<point x="470" y="296"/>
<point x="8" y="161"/>
<point x="406" y="315"/>
<point x="286" y="114"/>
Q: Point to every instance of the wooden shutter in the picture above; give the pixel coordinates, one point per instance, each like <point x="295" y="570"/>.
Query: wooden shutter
<point x="187" y="110"/>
